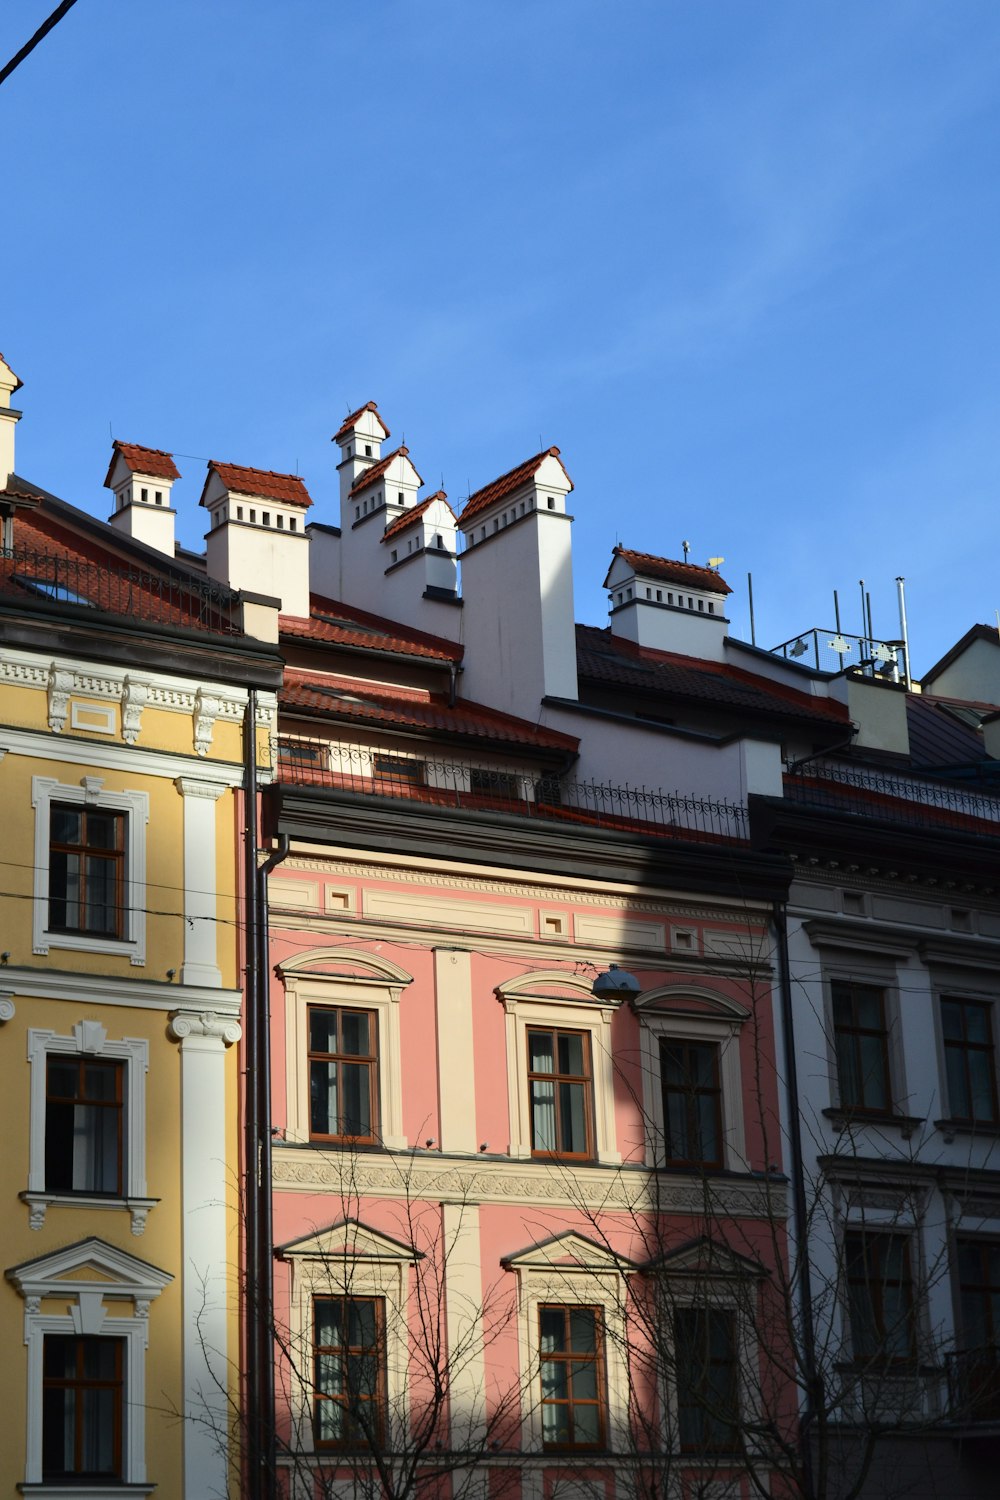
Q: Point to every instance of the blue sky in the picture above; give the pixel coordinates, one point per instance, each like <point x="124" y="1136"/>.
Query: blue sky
<point x="738" y="258"/>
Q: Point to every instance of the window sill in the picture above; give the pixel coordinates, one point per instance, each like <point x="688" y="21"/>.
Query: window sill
<point x="85" y="942"/>
<point x="842" y="1119"/>
<point x="988" y="1129"/>
<point x="108" y="1489"/>
<point x="40" y="1203"/>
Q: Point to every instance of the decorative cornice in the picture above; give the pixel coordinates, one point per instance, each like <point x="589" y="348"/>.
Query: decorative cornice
<point x="306" y="1170"/>
<point x="105" y="989"/>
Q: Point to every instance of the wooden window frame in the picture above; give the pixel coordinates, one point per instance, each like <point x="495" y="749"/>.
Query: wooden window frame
<point x="350" y="1440"/>
<point x="370" y="1060"/>
<point x="850" y="1034"/>
<point x="116" y="857"/>
<point x="964" y="1047"/>
<point x="79" y="1384"/>
<point x="584" y="1080"/>
<point x="81" y="1062"/>
<point x="873" y="1284"/>
<point x="568" y="1358"/>
<point x="691" y="1093"/>
<point x="700" y="1388"/>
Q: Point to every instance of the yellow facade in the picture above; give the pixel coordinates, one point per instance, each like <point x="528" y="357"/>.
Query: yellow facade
<point x="156" y="1271"/>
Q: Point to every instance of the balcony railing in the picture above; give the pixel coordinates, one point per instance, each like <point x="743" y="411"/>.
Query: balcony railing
<point x="362" y="770"/>
<point x="835" y="650"/>
<point x="161" y="599"/>
<point x="893" y="797"/>
<point x="974" y="1385"/>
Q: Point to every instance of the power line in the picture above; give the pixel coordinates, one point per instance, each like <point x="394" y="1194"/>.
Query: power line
<point x="32" y="42"/>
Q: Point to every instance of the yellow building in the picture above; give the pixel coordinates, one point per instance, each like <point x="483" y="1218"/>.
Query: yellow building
<point x="127" y="684"/>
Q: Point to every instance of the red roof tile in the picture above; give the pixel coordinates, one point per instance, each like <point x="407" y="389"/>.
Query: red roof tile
<point x="347" y="699"/>
<point x="152" y="461"/>
<point x="349" y="423"/>
<point x="261" y="484"/>
<point x="507" y="484"/>
<point x="378" y="469"/>
<point x="673" y="572"/>
<point x="341" y="625"/>
<point x="406" y="520"/>
<point x="610" y="662"/>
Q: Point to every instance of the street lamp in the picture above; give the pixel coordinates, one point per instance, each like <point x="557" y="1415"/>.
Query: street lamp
<point x="615" y="984"/>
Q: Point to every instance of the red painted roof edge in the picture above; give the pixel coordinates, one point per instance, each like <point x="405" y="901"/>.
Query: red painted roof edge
<point x="349" y="423"/>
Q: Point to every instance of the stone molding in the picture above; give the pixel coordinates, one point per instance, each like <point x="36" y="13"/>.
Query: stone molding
<point x="208" y="1024"/>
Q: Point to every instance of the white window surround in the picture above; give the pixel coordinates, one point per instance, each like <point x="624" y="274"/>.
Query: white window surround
<point x="90" y="1038"/>
<point x="719" y="1284"/>
<point x="556" y="998"/>
<point x="89" y="793"/>
<point x="691" y="1013"/>
<point x="68" y="1275"/>
<point x="572" y="1271"/>
<point x="377" y="985"/>
<point x="347" y="1259"/>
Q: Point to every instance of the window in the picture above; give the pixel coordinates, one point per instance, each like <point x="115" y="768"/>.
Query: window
<point x="342" y="1074"/>
<point x="87" y="1324"/>
<point x="559" y="1085"/>
<point x="86" y="870"/>
<point x="292" y="524"/>
<point x="265" y="516"/>
<point x="83" y="1394"/>
<point x="368" y="450"/>
<point x="880" y="1295"/>
<point x="389" y="771"/>
<point x="707" y="1379"/>
<point x="83" y="1125"/>
<point x="970" y="1065"/>
<point x="281" y="521"/>
<point x="87" y="1124"/>
<point x="569" y="1347"/>
<point x="159" y="497"/>
<point x="253" y="516"/>
<point x="145" y="496"/>
<point x="349" y="1348"/>
<point x="976" y="1375"/>
<point x="239" y="512"/>
<point x="90" y="860"/>
<point x="862" y="1046"/>
<point x="692" y="1101"/>
<point x="495" y="783"/>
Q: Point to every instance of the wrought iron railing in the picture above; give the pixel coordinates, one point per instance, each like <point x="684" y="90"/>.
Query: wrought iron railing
<point x="359" y="769"/>
<point x="895" y="797"/>
<point x="163" y="599"/>
<point x="974" y="1384"/>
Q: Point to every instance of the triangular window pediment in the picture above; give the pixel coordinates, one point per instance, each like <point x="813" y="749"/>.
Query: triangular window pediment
<point x="704" y="1258"/>
<point x="350" y="1240"/>
<point x="87" y="1264"/>
<point x="569" y="1252"/>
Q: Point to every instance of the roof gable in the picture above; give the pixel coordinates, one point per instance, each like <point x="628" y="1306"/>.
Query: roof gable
<point x="509" y="483"/>
<point x="418" y="512"/>
<point x="139" y="460"/>
<point x="625" y="563"/>
<point x="257" y="484"/>
<point x="349" y="423"/>
<point x="380" y="469"/>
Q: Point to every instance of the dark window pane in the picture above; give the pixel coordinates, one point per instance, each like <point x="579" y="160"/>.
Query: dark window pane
<point x="355" y="1033"/>
<point x="66" y="826"/>
<point x="322" y="1030"/>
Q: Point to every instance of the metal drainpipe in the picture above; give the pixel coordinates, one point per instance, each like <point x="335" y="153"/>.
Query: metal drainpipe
<point x="801" y="1274"/>
<point x="265" y="1232"/>
<point x="252" y="1457"/>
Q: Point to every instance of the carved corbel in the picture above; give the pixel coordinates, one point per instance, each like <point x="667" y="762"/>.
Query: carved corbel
<point x="206" y="711"/>
<point x="135" y="695"/>
<point x="61" y="685"/>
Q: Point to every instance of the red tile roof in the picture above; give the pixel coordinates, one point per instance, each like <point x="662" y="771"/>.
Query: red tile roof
<point x="611" y="662"/>
<point x="507" y="484"/>
<point x="336" y="624"/>
<point x="378" y="469"/>
<point x="406" y="520"/>
<point x="349" y="423"/>
<point x="261" y="484"/>
<point x="673" y="572"/>
<point x="348" y="699"/>
<point x="152" y="461"/>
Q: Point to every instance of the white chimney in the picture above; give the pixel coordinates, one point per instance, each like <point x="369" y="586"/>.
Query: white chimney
<point x="257" y="538"/>
<point x="517" y="589"/>
<point x="141" y="480"/>
<point x="360" y="438"/>
<point x="666" y="605"/>
<point x="419" y="554"/>
<point x="9" y="418"/>
<point x="383" y="491"/>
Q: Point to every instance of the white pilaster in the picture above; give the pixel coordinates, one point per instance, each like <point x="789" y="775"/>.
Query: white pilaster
<point x="463" y="1310"/>
<point x="204" y="1037"/>
<point x="200" y="950"/>
<point x="456" y="1061"/>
